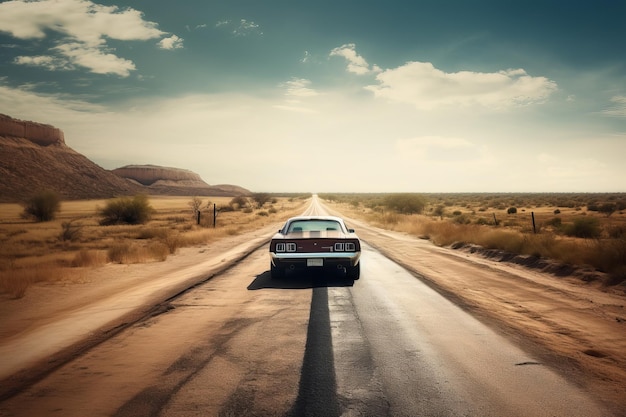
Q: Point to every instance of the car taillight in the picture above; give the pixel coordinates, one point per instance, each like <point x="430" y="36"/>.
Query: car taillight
<point x="345" y="247"/>
<point x="286" y="247"/>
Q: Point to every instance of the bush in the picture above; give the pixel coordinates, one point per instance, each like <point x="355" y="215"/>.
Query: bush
<point x="405" y="203"/>
<point x="42" y="206"/>
<point x="71" y="231"/>
<point x="512" y="210"/>
<point x="607" y="208"/>
<point x="261" y="199"/>
<point x="585" y="227"/>
<point x="554" y="222"/>
<point x="238" y="202"/>
<point x="439" y="211"/>
<point x="126" y="210"/>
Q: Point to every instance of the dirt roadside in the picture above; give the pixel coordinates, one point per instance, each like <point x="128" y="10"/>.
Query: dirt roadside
<point x="569" y="324"/>
<point x="566" y="323"/>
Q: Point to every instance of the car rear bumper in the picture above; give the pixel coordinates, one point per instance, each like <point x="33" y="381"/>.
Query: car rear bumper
<point x="332" y="259"/>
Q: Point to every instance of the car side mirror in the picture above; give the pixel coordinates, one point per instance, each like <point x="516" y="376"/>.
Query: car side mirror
<point x="350" y="230"/>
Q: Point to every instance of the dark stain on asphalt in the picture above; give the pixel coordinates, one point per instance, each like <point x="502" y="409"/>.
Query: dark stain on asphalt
<point x="317" y="393"/>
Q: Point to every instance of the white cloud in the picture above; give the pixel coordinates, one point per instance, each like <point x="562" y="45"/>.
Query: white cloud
<point x="49" y="62"/>
<point x="84" y="27"/>
<point x="296" y="90"/>
<point x="356" y="63"/>
<point x="241" y="28"/>
<point x="357" y="134"/>
<point x="173" y="42"/>
<point x="96" y="59"/>
<point x="618" y="107"/>
<point x="299" y="87"/>
<point x="426" y="87"/>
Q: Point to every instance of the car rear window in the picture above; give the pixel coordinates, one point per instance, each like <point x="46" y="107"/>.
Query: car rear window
<point x="313" y="226"/>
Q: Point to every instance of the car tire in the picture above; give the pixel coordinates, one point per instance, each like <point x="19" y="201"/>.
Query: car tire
<point x="276" y="271"/>
<point x="354" y="272"/>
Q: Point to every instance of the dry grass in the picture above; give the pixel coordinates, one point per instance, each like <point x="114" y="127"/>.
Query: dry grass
<point x="32" y="253"/>
<point x="471" y="219"/>
<point x="16" y="281"/>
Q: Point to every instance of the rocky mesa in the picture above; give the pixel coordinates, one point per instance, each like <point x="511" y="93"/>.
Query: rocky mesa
<point x="35" y="157"/>
<point x="175" y="181"/>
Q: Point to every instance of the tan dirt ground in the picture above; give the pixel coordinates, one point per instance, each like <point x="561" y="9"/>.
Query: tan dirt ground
<point x="570" y="324"/>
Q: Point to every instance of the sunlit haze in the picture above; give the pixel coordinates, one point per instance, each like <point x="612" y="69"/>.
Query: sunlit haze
<point x="331" y="96"/>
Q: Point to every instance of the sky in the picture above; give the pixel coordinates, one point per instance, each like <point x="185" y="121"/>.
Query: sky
<point x="331" y="96"/>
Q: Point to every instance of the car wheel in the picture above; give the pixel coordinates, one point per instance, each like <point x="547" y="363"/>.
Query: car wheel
<point x="354" y="272"/>
<point x="276" y="271"/>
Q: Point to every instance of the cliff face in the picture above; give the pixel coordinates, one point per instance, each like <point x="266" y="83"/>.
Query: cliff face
<point x="151" y="174"/>
<point x="175" y="181"/>
<point x="34" y="157"/>
<point x="38" y="133"/>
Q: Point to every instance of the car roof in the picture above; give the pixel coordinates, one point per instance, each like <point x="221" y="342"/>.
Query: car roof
<point x="339" y="219"/>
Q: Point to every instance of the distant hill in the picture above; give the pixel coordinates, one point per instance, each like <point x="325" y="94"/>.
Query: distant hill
<point x="34" y="157"/>
<point x="175" y="181"/>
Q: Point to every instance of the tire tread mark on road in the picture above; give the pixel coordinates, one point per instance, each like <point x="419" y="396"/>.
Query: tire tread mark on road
<point x="151" y="400"/>
<point x="317" y="393"/>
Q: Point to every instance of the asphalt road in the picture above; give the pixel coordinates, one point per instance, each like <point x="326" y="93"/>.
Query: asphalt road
<point x="243" y="344"/>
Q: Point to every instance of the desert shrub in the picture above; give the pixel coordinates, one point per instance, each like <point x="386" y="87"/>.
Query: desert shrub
<point x="127" y="253"/>
<point x="512" y="210"/>
<point x="607" y="208"/>
<point x="261" y="199"/>
<point x="557" y="211"/>
<point x="89" y="258"/>
<point x="194" y="204"/>
<point x="584" y="227"/>
<point x="119" y="252"/>
<point x="405" y="203"/>
<point x="555" y="222"/>
<point x="272" y="210"/>
<point x="456" y="213"/>
<point x="70" y="231"/>
<point x="43" y="206"/>
<point x="152" y="233"/>
<point x="126" y="210"/>
<point x="172" y="241"/>
<point x="238" y="202"/>
<point x="263" y="213"/>
<point x="15" y="282"/>
<point x="159" y="251"/>
<point x="461" y="219"/>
